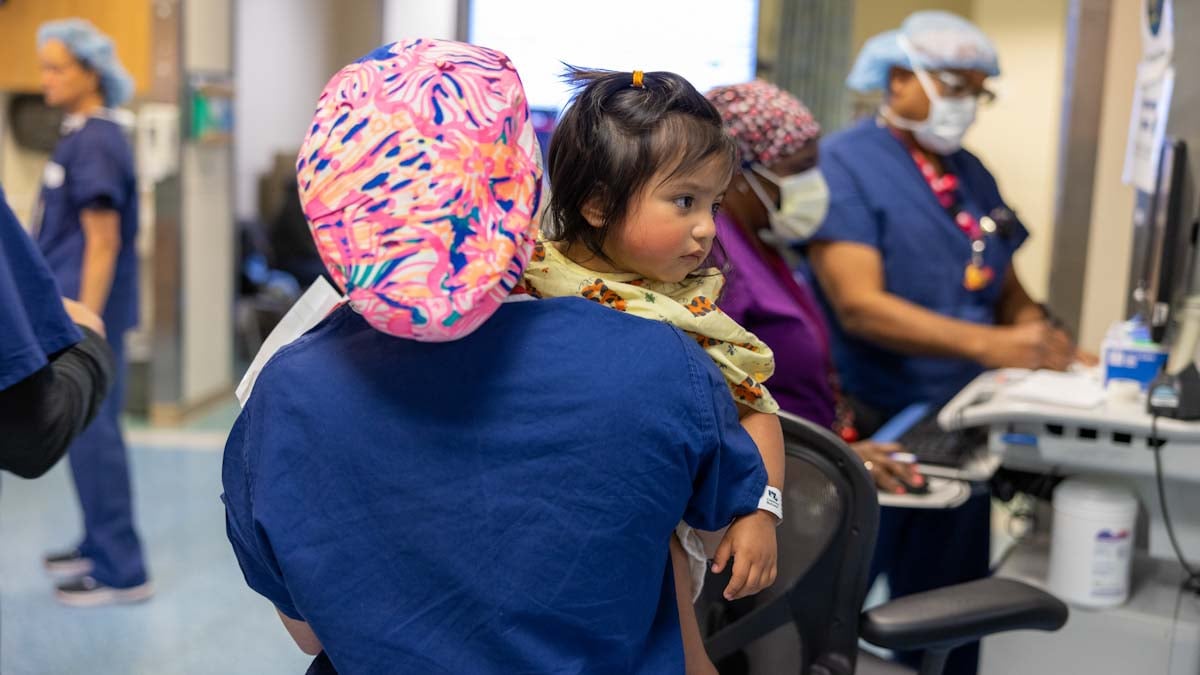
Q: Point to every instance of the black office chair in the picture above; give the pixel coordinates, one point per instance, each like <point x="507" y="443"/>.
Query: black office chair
<point x="825" y="545"/>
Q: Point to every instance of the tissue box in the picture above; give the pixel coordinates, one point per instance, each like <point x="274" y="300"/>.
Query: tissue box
<point x="1140" y="362"/>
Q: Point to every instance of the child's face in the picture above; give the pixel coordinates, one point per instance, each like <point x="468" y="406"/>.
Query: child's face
<point x="670" y="228"/>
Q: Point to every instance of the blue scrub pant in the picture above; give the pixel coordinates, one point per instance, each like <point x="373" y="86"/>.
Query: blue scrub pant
<point x="922" y="549"/>
<point x="100" y="467"/>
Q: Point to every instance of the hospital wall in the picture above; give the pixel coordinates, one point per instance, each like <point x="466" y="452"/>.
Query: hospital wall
<point x="208" y="235"/>
<point x="286" y="50"/>
<point x="429" y="18"/>
<point x="875" y="16"/>
<point x="1017" y="137"/>
<point x="1106" y="284"/>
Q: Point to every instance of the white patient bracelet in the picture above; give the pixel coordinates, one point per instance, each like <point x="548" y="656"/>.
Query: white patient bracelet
<point x="771" y="501"/>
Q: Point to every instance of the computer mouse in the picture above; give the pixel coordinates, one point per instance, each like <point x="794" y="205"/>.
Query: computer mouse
<point x="913" y="489"/>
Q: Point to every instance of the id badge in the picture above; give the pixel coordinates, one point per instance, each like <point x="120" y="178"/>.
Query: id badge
<point x="977" y="277"/>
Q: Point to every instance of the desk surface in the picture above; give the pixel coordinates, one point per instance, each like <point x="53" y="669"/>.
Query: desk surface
<point x="1113" y="437"/>
<point x="985" y="402"/>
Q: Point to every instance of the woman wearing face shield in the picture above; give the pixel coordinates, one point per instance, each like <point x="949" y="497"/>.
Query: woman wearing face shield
<point x="777" y="198"/>
<point x="914" y="264"/>
<point x="914" y="258"/>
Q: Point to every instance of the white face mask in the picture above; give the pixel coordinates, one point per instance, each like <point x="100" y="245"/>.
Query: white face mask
<point x="949" y="118"/>
<point x="803" y="199"/>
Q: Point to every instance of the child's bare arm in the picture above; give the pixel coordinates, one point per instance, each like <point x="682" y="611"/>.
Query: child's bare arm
<point x="767" y="433"/>
<point x="751" y="538"/>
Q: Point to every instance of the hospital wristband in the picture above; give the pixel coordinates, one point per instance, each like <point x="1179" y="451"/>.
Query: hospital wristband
<point x="771" y="501"/>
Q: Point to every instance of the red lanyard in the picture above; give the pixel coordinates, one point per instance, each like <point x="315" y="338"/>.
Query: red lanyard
<point x="945" y="187"/>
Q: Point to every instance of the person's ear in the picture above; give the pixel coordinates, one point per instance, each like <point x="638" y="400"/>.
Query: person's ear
<point x="592" y="211"/>
<point x="897" y="78"/>
<point x="738" y="183"/>
<point x="93" y="79"/>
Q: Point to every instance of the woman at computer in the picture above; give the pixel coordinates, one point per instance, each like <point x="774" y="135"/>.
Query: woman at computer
<point x="914" y="267"/>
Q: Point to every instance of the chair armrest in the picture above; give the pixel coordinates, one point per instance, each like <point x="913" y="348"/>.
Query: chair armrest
<point x="954" y="615"/>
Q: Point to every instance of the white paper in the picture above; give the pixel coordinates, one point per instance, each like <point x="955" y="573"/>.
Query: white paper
<point x="317" y="302"/>
<point x="157" y="133"/>
<point x="1069" y="390"/>
<point x="1148" y="125"/>
<point x="1151" y="96"/>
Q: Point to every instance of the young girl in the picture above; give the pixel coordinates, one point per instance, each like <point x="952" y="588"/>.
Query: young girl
<point x="638" y="166"/>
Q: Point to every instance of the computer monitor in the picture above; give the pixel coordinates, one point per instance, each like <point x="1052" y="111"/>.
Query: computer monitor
<point x="709" y="42"/>
<point x="1163" y="270"/>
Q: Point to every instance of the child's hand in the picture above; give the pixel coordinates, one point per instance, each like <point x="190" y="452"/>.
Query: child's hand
<point x="751" y="541"/>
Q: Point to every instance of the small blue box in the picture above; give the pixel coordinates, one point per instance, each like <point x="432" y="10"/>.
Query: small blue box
<point x="1138" y="362"/>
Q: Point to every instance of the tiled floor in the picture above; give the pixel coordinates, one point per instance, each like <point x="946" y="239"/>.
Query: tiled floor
<point x="204" y="618"/>
<point x="218" y="416"/>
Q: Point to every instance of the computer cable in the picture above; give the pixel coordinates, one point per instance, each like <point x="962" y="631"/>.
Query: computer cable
<point x="1192" y="582"/>
<point x="1174" y="627"/>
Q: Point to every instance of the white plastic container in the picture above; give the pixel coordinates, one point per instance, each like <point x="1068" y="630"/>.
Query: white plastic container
<point x="1092" y="542"/>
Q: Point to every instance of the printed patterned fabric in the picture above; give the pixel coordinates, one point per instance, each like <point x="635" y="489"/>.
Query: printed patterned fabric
<point x="690" y="305"/>
<point x="767" y="123"/>
<point x="420" y="176"/>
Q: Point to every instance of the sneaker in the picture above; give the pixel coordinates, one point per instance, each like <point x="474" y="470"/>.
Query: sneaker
<point x="67" y="564"/>
<point x="87" y="592"/>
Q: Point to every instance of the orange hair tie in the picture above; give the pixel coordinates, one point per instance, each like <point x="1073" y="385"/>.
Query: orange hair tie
<point x="639" y="79"/>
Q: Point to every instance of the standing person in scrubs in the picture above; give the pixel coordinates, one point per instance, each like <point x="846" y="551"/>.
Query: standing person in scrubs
<point x="89" y="219"/>
<point x="914" y="264"/>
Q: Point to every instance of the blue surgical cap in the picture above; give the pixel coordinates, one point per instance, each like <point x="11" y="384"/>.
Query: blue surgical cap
<point x="938" y="41"/>
<point x="95" y="51"/>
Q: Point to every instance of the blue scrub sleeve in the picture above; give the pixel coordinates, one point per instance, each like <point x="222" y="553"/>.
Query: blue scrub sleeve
<point x="95" y="176"/>
<point x="250" y="543"/>
<point x="1016" y="238"/>
<point x="849" y="218"/>
<point x="33" y="323"/>
<point x="729" y="475"/>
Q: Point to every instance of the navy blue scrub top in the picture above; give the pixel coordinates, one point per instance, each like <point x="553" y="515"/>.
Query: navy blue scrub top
<point x="879" y="198"/>
<point x="92" y="167"/>
<point x="501" y="503"/>
<point x="33" y="323"/>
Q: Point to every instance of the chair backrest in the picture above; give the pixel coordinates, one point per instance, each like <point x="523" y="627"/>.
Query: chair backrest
<point x="826" y="540"/>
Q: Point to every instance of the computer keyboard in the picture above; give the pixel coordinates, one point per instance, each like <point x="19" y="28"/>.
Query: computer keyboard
<point x="933" y="445"/>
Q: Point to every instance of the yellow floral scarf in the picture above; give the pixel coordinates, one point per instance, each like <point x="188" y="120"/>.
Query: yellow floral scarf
<point x="744" y="360"/>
